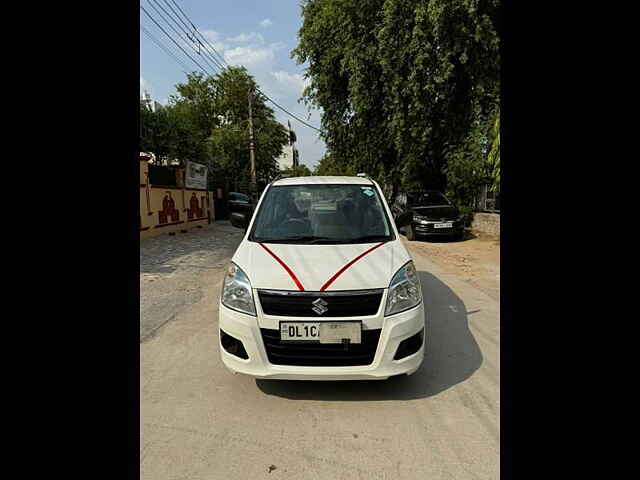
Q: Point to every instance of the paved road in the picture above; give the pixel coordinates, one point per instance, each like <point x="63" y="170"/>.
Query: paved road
<point x="174" y="269"/>
<point x="200" y="422"/>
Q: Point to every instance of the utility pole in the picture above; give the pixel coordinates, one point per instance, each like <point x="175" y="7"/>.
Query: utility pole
<point x="252" y="153"/>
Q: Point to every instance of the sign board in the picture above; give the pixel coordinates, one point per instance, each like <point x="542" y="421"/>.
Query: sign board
<point x="196" y="176"/>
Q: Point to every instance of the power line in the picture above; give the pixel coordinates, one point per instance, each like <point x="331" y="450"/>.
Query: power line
<point x="171" y="38"/>
<point x="166" y="50"/>
<point x="221" y="57"/>
<point x="176" y="31"/>
<point x="176" y="13"/>
<point x="205" y="45"/>
<point x="196" y="31"/>
<point x="202" y="52"/>
<point x="289" y="113"/>
<point x="260" y="91"/>
<point x="190" y="27"/>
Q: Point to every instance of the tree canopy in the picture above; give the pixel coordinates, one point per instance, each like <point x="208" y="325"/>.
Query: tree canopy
<point x="298" y="171"/>
<point x="329" y="165"/>
<point x="206" y="121"/>
<point x="493" y="159"/>
<point x="402" y="83"/>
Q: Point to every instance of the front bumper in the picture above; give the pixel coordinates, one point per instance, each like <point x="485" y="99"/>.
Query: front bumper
<point x="429" y="229"/>
<point x="394" y="329"/>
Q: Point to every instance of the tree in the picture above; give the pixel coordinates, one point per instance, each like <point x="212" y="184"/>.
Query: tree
<point x="206" y="121"/>
<point x="329" y="165"/>
<point x="493" y="160"/>
<point x="160" y="133"/>
<point x="401" y="82"/>
<point x="229" y="142"/>
<point x="466" y="170"/>
<point x="298" y="171"/>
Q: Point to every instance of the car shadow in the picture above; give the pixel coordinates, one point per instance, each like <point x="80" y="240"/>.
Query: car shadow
<point x="452" y="355"/>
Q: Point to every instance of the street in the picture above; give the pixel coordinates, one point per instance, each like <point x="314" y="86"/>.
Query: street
<point x="200" y="422"/>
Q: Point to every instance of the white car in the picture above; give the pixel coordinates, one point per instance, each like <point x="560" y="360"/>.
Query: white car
<point x="321" y="287"/>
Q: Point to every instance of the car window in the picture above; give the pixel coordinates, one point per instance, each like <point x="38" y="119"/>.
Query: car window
<point x="427" y="199"/>
<point x="327" y="214"/>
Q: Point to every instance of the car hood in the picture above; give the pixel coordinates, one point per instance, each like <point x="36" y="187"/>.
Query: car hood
<point x="314" y="265"/>
<point x="441" y="212"/>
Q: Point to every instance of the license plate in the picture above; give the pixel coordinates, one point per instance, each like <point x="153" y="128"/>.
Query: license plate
<point x="322" y="332"/>
<point x="443" y="225"/>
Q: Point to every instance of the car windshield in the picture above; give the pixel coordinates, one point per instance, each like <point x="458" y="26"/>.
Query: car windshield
<point x="427" y="199"/>
<point x="321" y="214"/>
<point x="238" y="197"/>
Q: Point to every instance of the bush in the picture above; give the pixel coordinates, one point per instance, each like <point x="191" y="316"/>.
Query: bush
<point x="467" y="169"/>
<point x="467" y="214"/>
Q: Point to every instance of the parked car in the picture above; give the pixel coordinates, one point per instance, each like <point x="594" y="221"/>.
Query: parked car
<point x="432" y="214"/>
<point x="321" y="287"/>
<point x="239" y="206"/>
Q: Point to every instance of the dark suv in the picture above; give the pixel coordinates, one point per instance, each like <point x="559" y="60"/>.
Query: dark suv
<point x="433" y="214"/>
<point x="240" y="208"/>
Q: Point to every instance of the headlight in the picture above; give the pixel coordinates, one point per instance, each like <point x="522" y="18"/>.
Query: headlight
<point x="404" y="290"/>
<point x="236" y="292"/>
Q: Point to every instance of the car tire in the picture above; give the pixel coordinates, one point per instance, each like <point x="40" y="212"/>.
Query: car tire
<point x="410" y="233"/>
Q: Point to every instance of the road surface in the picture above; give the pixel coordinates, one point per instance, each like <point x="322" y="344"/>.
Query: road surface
<point x="200" y="422"/>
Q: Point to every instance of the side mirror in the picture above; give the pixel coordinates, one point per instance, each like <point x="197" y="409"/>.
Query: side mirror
<point x="404" y="219"/>
<point x="239" y="220"/>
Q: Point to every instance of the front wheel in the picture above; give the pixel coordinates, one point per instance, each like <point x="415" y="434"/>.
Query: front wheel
<point x="411" y="234"/>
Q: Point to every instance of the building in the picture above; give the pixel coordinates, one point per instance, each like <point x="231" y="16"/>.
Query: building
<point x="487" y="200"/>
<point x="290" y="156"/>
<point x="146" y="100"/>
<point x="167" y="204"/>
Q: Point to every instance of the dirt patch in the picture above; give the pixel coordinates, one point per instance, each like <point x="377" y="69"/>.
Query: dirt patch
<point x="476" y="259"/>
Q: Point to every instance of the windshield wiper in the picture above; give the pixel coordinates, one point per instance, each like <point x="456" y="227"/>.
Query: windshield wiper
<point x="310" y="239"/>
<point x="369" y="239"/>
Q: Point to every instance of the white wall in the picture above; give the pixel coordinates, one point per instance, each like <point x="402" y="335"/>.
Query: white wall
<point x="286" y="159"/>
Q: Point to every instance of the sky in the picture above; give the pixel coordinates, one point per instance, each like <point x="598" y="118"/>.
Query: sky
<point x="258" y="34"/>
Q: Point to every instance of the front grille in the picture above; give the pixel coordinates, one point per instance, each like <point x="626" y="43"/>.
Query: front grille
<point x="320" y="354"/>
<point x="338" y="304"/>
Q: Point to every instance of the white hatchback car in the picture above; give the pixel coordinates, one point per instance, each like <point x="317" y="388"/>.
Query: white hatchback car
<point x="321" y="286"/>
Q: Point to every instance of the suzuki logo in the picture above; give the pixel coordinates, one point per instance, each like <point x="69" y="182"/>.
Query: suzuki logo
<point x="319" y="306"/>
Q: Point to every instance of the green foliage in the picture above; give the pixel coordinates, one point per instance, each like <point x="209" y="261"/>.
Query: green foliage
<point x="493" y="160"/>
<point x="466" y="168"/>
<point x="298" y="171"/>
<point x="329" y="165"/>
<point x="166" y="133"/>
<point x="466" y="212"/>
<point x="207" y="122"/>
<point x="401" y="82"/>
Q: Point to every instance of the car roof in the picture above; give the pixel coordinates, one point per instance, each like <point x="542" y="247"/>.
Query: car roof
<point x="318" y="180"/>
